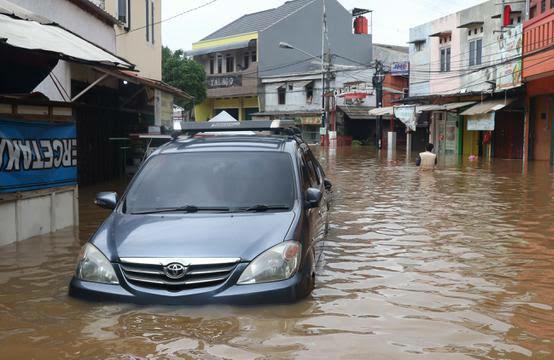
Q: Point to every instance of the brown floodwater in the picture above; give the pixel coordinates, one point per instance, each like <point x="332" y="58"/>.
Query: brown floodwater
<point x="452" y="264"/>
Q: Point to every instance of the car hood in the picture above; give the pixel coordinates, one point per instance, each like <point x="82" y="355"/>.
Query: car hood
<point x="242" y="236"/>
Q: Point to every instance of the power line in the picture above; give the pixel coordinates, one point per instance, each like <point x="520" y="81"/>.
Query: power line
<point x="465" y="53"/>
<point x="479" y="82"/>
<point x="169" y="18"/>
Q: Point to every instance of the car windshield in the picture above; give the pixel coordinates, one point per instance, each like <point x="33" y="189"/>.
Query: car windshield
<point x="213" y="181"/>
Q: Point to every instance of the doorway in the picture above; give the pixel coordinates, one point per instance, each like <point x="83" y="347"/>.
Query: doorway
<point x="542" y="144"/>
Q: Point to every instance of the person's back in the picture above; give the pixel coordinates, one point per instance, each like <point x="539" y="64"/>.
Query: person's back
<point x="427" y="160"/>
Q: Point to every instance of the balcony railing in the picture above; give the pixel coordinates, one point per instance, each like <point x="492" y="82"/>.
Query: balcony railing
<point x="538" y="46"/>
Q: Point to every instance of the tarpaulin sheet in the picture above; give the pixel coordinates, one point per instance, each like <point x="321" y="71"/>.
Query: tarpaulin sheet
<point x="37" y="155"/>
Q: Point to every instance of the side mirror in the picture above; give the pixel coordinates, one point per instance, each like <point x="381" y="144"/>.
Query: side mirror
<point x="106" y="200"/>
<point x="328" y="184"/>
<point x="313" y="198"/>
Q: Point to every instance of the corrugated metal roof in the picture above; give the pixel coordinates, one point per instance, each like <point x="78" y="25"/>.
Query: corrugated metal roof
<point x="213" y="49"/>
<point x="384" y="111"/>
<point x="32" y="35"/>
<point x="356" y="112"/>
<point x="156" y="84"/>
<point x="487" y="106"/>
<point x="422" y="108"/>
<point x="258" y="21"/>
<point x="444" y="107"/>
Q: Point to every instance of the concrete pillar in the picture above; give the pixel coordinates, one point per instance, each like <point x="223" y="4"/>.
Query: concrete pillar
<point x="391" y="141"/>
<point x="526" y="122"/>
<point x="408" y="144"/>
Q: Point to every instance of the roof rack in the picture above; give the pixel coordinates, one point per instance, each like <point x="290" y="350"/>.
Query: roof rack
<point x="286" y="127"/>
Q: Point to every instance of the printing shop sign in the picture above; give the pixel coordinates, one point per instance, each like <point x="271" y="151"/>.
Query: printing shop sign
<point x="36" y="155"/>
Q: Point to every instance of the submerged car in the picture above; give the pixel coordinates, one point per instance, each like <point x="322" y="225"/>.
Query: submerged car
<point x="232" y="219"/>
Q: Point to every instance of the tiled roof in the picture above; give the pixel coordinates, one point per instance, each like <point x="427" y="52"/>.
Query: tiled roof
<point x="258" y="21"/>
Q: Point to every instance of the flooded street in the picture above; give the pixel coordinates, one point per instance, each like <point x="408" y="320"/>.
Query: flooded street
<point x="452" y="264"/>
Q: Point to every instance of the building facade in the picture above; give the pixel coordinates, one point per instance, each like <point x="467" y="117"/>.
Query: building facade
<point x="68" y="104"/>
<point x="238" y="56"/>
<point x="468" y="59"/>
<point x="139" y="33"/>
<point x="538" y="74"/>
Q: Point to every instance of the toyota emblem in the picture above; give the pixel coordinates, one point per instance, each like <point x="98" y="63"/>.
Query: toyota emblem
<point x="175" y="271"/>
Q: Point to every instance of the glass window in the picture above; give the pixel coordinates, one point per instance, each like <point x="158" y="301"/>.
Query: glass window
<point x="282" y="95"/>
<point x="246" y="60"/>
<point x="153" y="21"/>
<point x="219" y="64"/>
<point x="475" y="52"/>
<point x="230" y="63"/>
<point x="471" y="53"/>
<point x="122" y="11"/>
<point x="212" y="64"/>
<point x="147" y="27"/>
<point x="445" y="59"/>
<point x="533" y="12"/>
<point x="254" y="56"/>
<point x="479" y="52"/>
<point x="213" y="179"/>
<point x="310" y="93"/>
<point x="543" y="6"/>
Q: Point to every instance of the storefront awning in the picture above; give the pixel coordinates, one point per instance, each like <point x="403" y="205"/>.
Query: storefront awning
<point x="444" y="107"/>
<point x="389" y="111"/>
<point x="219" y="48"/>
<point x="486" y="107"/>
<point x="55" y="40"/>
<point x="356" y="112"/>
<point x="135" y="78"/>
<point x="384" y="111"/>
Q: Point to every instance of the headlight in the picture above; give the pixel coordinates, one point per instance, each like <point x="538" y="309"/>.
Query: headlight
<point x="278" y="263"/>
<point x="93" y="266"/>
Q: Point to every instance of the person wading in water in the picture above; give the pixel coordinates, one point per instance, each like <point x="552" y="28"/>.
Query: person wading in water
<point x="427" y="160"/>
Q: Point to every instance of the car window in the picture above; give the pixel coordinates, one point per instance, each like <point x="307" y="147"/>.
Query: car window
<point x="306" y="182"/>
<point x="312" y="175"/>
<point x="213" y="179"/>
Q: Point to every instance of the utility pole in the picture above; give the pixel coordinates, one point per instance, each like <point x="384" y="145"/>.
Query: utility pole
<point x="378" y="79"/>
<point x="324" y="116"/>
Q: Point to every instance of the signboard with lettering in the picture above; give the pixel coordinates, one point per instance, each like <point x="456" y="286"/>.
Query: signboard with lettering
<point x="406" y="114"/>
<point x="225" y="81"/>
<point x="483" y="122"/>
<point x="509" y="58"/>
<point x="400" y="68"/>
<point x="37" y="155"/>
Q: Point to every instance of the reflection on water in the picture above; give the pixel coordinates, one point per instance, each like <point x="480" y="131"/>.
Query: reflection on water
<point x="452" y="264"/>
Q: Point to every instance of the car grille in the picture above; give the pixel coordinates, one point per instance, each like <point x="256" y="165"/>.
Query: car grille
<point x="197" y="275"/>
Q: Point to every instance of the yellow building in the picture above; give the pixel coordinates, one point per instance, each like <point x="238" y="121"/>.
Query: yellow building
<point x="231" y="66"/>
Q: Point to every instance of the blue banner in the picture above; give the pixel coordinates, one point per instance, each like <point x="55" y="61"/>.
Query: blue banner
<point x="37" y="155"/>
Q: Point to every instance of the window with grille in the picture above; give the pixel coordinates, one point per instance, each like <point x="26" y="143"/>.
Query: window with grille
<point x="445" y="59"/>
<point x="282" y="95"/>
<point x="476" y="52"/>
<point x="230" y="63"/>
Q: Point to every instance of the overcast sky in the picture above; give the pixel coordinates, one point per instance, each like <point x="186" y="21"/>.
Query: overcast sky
<point x="391" y="18"/>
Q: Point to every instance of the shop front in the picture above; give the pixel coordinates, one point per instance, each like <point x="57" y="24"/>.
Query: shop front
<point x="493" y="129"/>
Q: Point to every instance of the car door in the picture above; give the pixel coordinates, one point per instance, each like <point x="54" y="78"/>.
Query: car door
<point x="317" y="215"/>
<point x="324" y="188"/>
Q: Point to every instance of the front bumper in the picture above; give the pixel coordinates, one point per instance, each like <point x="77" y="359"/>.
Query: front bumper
<point x="284" y="291"/>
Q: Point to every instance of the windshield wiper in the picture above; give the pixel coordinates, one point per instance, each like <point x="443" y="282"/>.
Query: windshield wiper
<point x="263" y="207"/>
<point x="186" y="209"/>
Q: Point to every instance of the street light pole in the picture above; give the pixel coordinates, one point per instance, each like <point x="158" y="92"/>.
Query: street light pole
<point x="285" y="45"/>
<point x="378" y="79"/>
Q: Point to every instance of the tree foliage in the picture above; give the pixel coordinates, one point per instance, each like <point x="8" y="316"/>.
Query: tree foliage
<point x="185" y="74"/>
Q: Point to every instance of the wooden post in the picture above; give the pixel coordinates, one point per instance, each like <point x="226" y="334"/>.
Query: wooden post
<point x="527" y="119"/>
